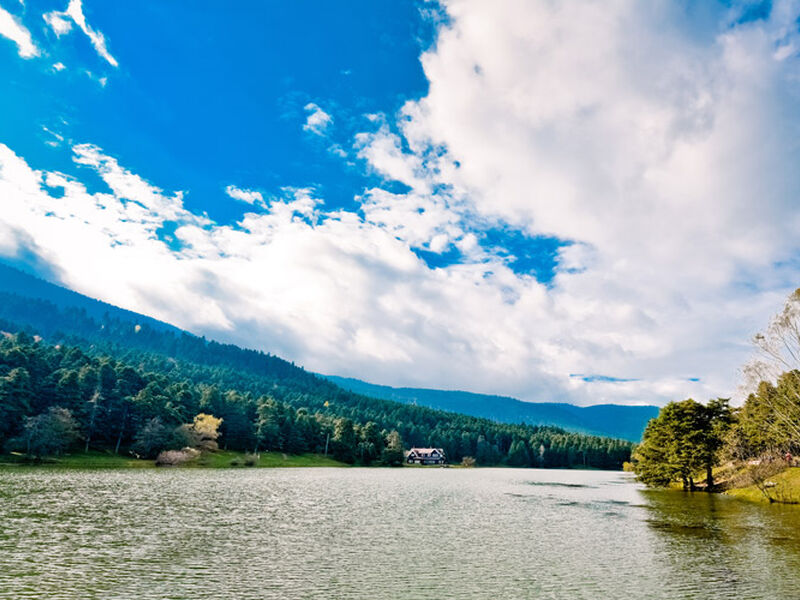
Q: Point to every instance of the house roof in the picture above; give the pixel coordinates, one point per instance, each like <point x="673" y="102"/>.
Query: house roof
<point x="426" y="450"/>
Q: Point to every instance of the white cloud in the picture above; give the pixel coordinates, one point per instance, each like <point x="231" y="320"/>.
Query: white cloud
<point x="59" y="23"/>
<point x="317" y="120"/>
<point x="337" y="150"/>
<point x="11" y="28"/>
<point x="665" y="152"/>
<point x="383" y="152"/>
<point x="248" y="196"/>
<point x="59" y="66"/>
<point x="56" y="139"/>
<point x="328" y="289"/>
<point x="662" y="147"/>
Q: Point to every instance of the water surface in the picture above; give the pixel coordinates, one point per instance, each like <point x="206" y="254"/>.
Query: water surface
<point x="382" y="533"/>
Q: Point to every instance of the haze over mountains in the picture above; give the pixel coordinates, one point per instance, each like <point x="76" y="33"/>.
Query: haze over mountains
<point x="626" y="422"/>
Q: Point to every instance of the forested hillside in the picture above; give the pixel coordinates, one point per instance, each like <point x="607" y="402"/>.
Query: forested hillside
<point x="124" y="380"/>
<point x="14" y="281"/>
<point x="626" y="422"/>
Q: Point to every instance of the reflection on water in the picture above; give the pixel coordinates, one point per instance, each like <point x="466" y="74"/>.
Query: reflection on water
<point x="379" y="533"/>
<point x="734" y="549"/>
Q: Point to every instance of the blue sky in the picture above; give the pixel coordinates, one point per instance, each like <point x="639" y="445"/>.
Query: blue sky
<point x="221" y="98"/>
<point x="226" y="97"/>
<point x="425" y="193"/>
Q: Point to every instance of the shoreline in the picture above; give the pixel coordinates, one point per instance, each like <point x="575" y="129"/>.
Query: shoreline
<point x="735" y="481"/>
<point x="781" y="488"/>
<point x="220" y="459"/>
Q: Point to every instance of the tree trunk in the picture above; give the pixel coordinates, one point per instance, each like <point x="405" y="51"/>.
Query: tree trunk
<point x="709" y="478"/>
<point x="90" y="429"/>
<point x="121" y="429"/>
<point x="685" y="483"/>
<point x="691" y="484"/>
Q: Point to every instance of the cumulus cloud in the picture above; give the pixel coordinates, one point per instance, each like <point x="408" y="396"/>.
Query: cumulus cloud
<point x="11" y="28"/>
<point x="59" y="22"/>
<point x="248" y="196"/>
<point x="664" y="153"/>
<point x="317" y="120"/>
<point x="659" y="148"/>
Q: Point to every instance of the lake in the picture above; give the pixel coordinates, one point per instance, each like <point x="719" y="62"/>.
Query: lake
<point x="383" y="533"/>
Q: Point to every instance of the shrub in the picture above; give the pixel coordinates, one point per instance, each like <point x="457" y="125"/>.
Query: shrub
<point x="468" y="462"/>
<point x="173" y="458"/>
<point x="251" y="460"/>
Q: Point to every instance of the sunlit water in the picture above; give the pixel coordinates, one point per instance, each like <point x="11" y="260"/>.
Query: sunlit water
<point x="381" y="533"/>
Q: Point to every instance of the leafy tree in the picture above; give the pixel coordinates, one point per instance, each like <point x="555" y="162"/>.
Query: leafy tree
<point x="68" y="390"/>
<point x="518" y="455"/>
<point x="370" y="443"/>
<point x="295" y="442"/>
<point x="653" y="458"/>
<point x="393" y="453"/>
<point x="238" y="415"/>
<point x="683" y="440"/>
<point x="15" y="401"/>
<point x="50" y="433"/>
<point x="344" y="440"/>
<point x="718" y="419"/>
<point x="152" y="438"/>
<point x="205" y="429"/>
<point x="268" y="433"/>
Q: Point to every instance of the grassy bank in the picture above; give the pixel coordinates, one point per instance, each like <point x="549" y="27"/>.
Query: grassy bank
<point x="782" y="487"/>
<point x="214" y="460"/>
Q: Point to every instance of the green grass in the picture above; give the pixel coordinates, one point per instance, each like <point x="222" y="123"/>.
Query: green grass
<point x="78" y="460"/>
<point x="786" y="488"/>
<point x="224" y="458"/>
<point x="214" y="460"/>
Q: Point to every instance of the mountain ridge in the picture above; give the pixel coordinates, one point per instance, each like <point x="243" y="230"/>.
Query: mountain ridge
<point x="613" y="420"/>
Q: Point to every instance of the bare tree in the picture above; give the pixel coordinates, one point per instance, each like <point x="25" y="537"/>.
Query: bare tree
<point x="777" y="362"/>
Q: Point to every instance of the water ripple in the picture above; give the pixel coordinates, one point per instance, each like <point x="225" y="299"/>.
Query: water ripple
<point x="375" y="533"/>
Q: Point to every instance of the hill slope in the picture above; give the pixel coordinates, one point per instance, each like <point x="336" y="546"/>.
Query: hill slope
<point x="612" y="420"/>
<point x="13" y="281"/>
<point x="63" y="316"/>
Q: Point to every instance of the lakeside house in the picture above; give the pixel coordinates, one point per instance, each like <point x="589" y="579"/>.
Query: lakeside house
<point x="426" y="456"/>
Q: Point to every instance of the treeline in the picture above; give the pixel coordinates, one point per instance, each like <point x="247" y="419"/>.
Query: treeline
<point x="117" y="379"/>
<point x="688" y="439"/>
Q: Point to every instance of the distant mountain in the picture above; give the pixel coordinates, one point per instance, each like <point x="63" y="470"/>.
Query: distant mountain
<point x="612" y="420"/>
